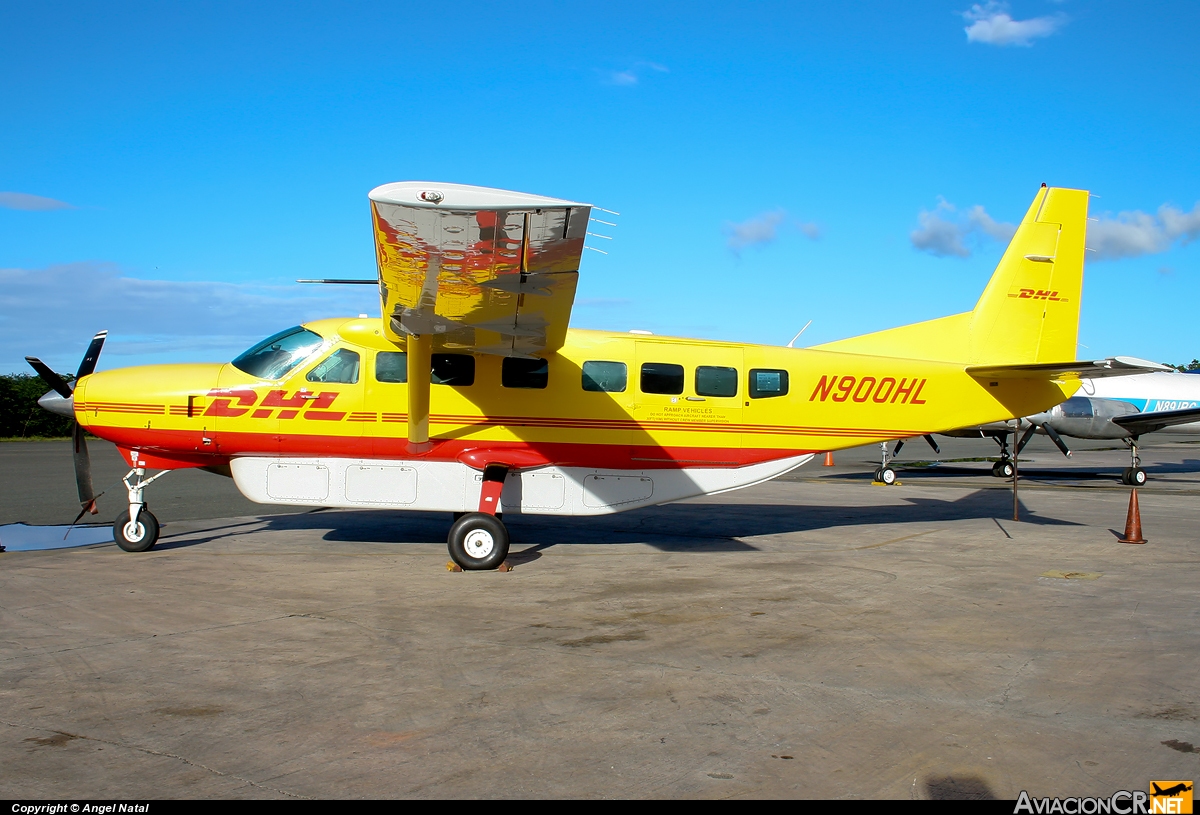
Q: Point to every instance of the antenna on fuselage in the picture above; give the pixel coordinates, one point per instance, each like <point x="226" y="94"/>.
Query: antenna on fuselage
<point x="792" y="344"/>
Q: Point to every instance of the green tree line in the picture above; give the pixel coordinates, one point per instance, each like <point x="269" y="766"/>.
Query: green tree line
<point x="20" y="415"/>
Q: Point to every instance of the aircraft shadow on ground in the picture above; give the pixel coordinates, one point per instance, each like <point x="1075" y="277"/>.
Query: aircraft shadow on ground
<point x="682" y="527"/>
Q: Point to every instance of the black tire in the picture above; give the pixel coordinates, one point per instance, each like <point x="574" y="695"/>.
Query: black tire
<point x="1137" y="477"/>
<point x="1125" y="479"/>
<point x="1006" y="469"/>
<point x="878" y="476"/>
<point x="147" y="528"/>
<point x="478" y="541"/>
<point x="887" y="475"/>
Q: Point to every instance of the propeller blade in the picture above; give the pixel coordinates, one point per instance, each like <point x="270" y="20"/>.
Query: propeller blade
<point x="1057" y="439"/>
<point x="93" y="354"/>
<point x="83" y="470"/>
<point x="1025" y="439"/>
<point x="56" y="382"/>
<point x="933" y="444"/>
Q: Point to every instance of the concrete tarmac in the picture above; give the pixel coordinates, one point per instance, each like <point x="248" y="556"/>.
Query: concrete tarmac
<point x="814" y="637"/>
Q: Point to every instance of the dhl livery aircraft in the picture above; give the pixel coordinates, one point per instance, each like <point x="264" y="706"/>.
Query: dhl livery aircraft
<point x="472" y="396"/>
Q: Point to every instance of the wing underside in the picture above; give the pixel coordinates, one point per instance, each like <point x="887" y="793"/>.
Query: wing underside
<point x="479" y="270"/>
<point x="1081" y="369"/>
<point x="1140" y="423"/>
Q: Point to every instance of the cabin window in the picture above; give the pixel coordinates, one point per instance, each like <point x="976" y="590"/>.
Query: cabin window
<point x="457" y="370"/>
<point x="768" y="382"/>
<point x="662" y="377"/>
<point x="339" y="368"/>
<point x="714" y="381"/>
<point x="278" y="354"/>
<point x="524" y="373"/>
<point x="606" y="377"/>
<point x="391" y="366"/>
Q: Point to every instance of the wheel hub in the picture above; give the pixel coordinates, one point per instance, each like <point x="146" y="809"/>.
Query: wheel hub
<point x="479" y="543"/>
<point x="134" y="532"/>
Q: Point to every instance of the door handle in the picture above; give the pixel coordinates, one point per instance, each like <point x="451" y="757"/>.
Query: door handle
<point x="696" y="399"/>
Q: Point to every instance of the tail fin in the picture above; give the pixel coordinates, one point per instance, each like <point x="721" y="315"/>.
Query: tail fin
<point x="1029" y="311"/>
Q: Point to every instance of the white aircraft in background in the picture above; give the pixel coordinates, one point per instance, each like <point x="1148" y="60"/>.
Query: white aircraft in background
<point x="1123" y="408"/>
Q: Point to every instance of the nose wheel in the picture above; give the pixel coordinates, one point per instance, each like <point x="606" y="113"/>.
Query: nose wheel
<point x="136" y="534"/>
<point x="1133" y="475"/>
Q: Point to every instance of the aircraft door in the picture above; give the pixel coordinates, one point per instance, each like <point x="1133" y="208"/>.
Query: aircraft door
<point x="689" y="407"/>
<point x="320" y="409"/>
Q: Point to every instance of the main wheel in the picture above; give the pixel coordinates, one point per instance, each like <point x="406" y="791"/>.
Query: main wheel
<point x="887" y="475"/>
<point x="478" y="541"/>
<point x="1137" y="477"/>
<point x="1002" y="469"/>
<point x="139" y="537"/>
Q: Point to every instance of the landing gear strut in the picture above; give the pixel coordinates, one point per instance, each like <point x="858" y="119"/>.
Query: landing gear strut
<point x="479" y="540"/>
<point x="1004" y="467"/>
<point x="1133" y="475"/>
<point x="136" y="529"/>
<point x="884" y="474"/>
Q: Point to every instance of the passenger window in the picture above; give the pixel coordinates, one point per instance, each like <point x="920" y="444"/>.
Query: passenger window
<point x="714" y="381"/>
<point x="524" y="373"/>
<point x="457" y="370"/>
<point x="662" y="377"/>
<point x="340" y="367"/>
<point x="391" y="366"/>
<point x="607" y="377"/>
<point x="766" y="382"/>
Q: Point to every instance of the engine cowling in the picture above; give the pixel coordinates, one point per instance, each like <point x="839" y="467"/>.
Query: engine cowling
<point x="1086" y="417"/>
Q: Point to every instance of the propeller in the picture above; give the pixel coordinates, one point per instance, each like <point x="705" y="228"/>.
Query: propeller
<point x="61" y="400"/>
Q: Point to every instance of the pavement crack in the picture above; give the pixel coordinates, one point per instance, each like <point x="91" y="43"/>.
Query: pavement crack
<point x="158" y="753"/>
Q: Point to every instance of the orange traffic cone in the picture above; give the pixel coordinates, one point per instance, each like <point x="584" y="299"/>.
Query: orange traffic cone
<point x="1133" y="521"/>
<point x="828" y="459"/>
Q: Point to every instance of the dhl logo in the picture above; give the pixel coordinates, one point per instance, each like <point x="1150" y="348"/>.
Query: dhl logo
<point x="1037" y="294"/>
<point x="885" y="390"/>
<point x="315" y="404"/>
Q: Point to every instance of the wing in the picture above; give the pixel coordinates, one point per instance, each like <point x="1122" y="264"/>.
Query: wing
<point x="1139" y="423"/>
<point x="1082" y="369"/>
<point x="478" y="269"/>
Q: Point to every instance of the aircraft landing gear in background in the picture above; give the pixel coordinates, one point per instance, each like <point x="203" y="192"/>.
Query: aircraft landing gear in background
<point x="1003" y="468"/>
<point x="884" y="474"/>
<point x="1133" y="475"/>
<point x="478" y="541"/>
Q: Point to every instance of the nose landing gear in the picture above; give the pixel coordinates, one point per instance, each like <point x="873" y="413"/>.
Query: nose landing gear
<point x="136" y="529"/>
<point x="884" y="474"/>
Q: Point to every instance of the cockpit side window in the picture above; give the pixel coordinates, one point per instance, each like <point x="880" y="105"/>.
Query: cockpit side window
<point x="279" y="354"/>
<point x="340" y="367"/>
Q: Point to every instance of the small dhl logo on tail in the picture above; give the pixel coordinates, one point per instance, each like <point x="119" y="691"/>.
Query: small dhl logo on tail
<point x="856" y="389"/>
<point x="1037" y="294"/>
<point x="1171" y="797"/>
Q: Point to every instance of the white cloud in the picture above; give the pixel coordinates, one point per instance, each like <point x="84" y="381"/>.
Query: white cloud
<point x="763" y="229"/>
<point x="52" y="313"/>
<point x="1136" y="233"/>
<point x="634" y="74"/>
<point x="34" y="203"/>
<point x="991" y="23"/>
<point x="944" y="231"/>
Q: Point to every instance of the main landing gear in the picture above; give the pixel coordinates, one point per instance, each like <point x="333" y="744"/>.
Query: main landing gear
<point x="136" y="529"/>
<point x="1004" y="467"/>
<point x="884" y="474"/>
<point x="1133" y="475"/>
<point x="479" y="540"/>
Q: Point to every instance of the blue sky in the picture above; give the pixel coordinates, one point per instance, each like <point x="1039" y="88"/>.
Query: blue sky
<point x="167" y="171"/>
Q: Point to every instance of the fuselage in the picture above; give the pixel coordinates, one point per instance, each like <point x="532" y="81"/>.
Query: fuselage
<point x="605" y="400"/>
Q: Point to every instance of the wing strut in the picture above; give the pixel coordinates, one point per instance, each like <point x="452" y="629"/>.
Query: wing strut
<point x="420" y="366"/>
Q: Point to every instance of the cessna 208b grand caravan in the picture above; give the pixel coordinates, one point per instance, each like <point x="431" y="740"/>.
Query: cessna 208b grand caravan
<point x="471" y="395"/>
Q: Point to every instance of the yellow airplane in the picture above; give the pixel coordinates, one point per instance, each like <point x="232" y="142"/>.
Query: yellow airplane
<point x="472" y="396"/>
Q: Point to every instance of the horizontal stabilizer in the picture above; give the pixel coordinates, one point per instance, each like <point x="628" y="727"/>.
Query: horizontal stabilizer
<point x="1139" y="423"/>
<point x="1082" y="369"/>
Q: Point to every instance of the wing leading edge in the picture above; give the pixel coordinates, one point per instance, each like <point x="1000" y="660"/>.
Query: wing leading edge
<point x="477" y="269"/>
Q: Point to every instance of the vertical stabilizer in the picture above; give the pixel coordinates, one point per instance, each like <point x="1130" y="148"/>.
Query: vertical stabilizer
<point x="1029" y="311"/>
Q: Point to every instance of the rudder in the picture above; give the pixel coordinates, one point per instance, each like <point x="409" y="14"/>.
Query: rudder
<point x="1029" y="311"/>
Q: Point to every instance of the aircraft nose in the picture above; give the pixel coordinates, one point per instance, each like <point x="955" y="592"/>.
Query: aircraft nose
<point x="60" y="405"/>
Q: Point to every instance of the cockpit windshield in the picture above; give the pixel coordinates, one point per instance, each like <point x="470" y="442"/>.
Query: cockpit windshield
<point x="277" y="355"/>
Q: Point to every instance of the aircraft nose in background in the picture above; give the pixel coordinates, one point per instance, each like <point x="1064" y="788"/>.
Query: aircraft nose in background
<point x="57" y="404"/>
